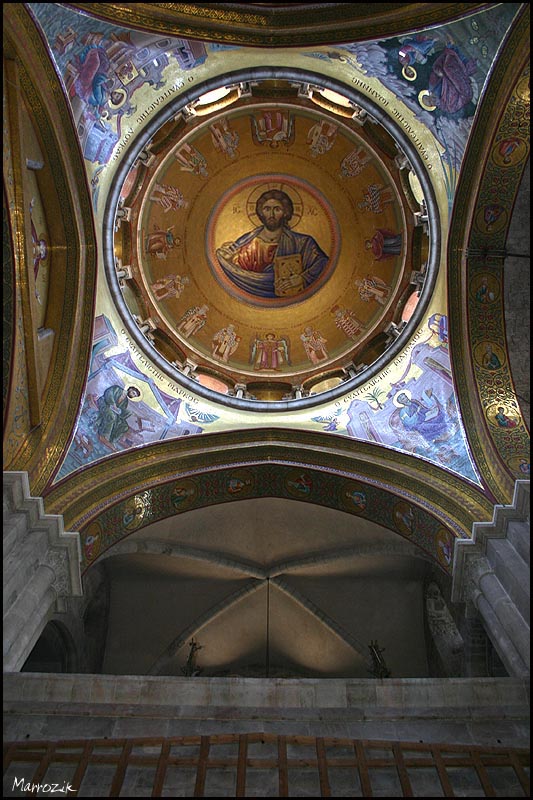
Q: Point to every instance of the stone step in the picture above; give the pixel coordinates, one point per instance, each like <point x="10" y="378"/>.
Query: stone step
<point x="513" y="573"/>
<point x="518" y="533"/>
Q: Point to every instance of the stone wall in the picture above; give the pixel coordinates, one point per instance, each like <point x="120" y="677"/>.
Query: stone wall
<point x="490" y="711"/>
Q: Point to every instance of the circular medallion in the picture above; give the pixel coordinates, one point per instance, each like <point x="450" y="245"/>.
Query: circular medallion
<point x="523" y="89"/>
<point x="501" y="416"/>
<point x="444" y="541"/>
<point x="485" y="289"/>
<point x="92" y="541"/>
<point x="183" y="494"/>
<point x="240" y="483"/>
<point x="299" y="484"/>
<point x="353" y="498"/>
<point x="521" y="466"/>
<point x="403" y="516"/>
<point x="285" y="244"/>
<point x="489" y="356"/>
<point x="134" y="513"/>
<point x="491" y="218"/>
<point x="509" y="151"/>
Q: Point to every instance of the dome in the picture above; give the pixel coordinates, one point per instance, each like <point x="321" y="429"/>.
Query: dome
<point x="270" y="239"/>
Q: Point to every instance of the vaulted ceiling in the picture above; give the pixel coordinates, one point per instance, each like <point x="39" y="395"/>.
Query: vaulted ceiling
<point x="276" y="469"/>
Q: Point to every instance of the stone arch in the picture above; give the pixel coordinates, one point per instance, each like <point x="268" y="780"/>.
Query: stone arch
<point x="266" y="458"/>
<point x="57" y="357"/>
<point x="54" y="650"/>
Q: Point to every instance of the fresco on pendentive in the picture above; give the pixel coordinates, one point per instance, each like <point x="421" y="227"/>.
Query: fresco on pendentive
<point x="439" y="74"/>
<point x="123" y="407"/>
<point x="417" y="412"/>
<point x="103" y="66"/>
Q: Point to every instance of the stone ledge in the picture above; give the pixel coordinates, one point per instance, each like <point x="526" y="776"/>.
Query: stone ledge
<point x="397" y="696"/>
<point x="352" y="714"/>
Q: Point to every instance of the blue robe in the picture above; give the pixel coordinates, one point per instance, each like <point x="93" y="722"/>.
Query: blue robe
<point x="261" y="284"/>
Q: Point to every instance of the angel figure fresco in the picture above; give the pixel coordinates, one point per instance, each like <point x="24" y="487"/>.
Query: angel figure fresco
<point x="135" y="511"/>
<point x="182" y="495"/>
<point x="373" y="288"/>
<point x="169" y="286"/>
<point x="39" y="246"/>
<point x="404" y="517"/>
<point x="193" y="320"/>
<point x="346" y="320"/>
<point x="445" y="551"/>
<point x="191" y="160"/>
<point x="159" y="242"/>
<point x="376" y="197"/>
<point x="224" y="139"/>
<point x="224" y="343"/>
<point x="314" y="345"/>
<point x="91" y="546"/>
<point x="384" y="244"/>
<point x="355" y="162"/>
<point x="321" y="137"/>
<point x="168" y="197"/>
<point x="269" y="352"/>
<point x="133" y="514"/>
<point x="491" y="214"/>
<point x="273" y="127"/>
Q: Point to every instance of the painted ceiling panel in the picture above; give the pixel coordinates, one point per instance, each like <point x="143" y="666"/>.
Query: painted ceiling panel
<point x="117" y="79"/>
<point x="274" y="324"/>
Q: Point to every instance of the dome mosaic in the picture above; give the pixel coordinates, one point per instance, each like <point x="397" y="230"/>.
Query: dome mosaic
<point x="270" y="241"/>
